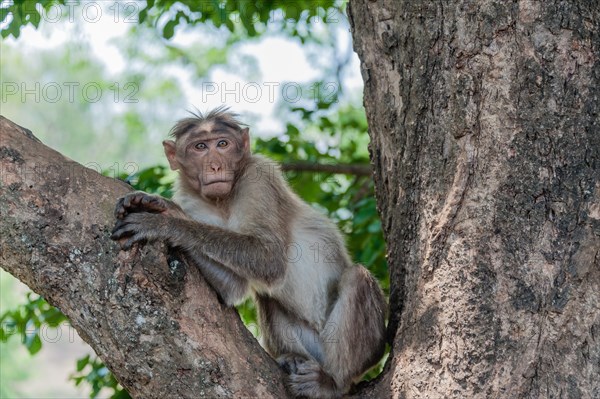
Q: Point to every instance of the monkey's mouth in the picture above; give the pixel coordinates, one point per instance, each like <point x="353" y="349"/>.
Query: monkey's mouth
<point x="216" y="188"/>
<point x="210" y="182"/>
<point x="208" y="178"/>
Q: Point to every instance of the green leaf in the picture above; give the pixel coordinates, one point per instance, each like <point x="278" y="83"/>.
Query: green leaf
<point x="375" y="226"/>
<point x="293" y="11"/>
<point x="143" y="14"/>
<point x="33" y="344"/>
<point x="81" y="363"/>
<point x="34" y="18"/>
<point x="169" y="29"/>
<point x="53" y="317"/>
<point x="4" y="13"/>
<point x="14" y="28"/>
<point x="120" y="394"/>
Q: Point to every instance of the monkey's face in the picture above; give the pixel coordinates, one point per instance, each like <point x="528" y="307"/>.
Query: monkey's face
<point x="210" y="160"/>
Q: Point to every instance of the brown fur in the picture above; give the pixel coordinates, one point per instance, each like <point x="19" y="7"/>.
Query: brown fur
<point x="321" y="316"/>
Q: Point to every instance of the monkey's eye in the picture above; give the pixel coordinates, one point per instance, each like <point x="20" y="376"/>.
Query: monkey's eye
<point x="200" y="146"/>
<point x="222" y="143"/>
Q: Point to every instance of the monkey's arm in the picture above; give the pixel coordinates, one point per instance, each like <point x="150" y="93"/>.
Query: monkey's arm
<point x="258" y="256"/>
<point x="232" y="288"/>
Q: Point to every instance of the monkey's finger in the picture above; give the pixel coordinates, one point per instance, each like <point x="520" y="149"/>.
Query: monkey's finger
<point x="127" y="244"/>
<point x="137" y="198"/>
<point x="119" y="209"/>
<point x="118" y="224"/>
<point x="150" y="203"/>
<point x="156" y="205"/>
<point x="122" y="230"/>
<point x="117" y="235"/>
<point x="126" y="205"/>
<point x="127" y="200"/>
<point x="133" y="200"/>
<point x="120" y="213"/>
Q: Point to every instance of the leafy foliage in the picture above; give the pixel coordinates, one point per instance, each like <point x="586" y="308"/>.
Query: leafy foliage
<point x="30" y="321"/>
<point x="23" y="12"/>
<point x="248" y="16"/>
<point x="243" y="17"/>
<point x="92" y="371"/>
<point x="26" y="321"/>
<point x="155" y="179"/>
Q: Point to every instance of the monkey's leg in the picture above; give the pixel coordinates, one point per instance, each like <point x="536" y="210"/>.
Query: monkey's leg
<point x="284" y="335"/>
<point x="354" y="337"/>
<point x="297" y="348"/>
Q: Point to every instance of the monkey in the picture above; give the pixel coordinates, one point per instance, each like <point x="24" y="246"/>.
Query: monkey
<point x="321" y="316"/>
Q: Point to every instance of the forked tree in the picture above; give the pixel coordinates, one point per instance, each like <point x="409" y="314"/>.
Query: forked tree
<point x="485" y="146"/>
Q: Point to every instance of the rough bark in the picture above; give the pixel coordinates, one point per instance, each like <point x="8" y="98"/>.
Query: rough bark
<point x="152" y="319"/>
<point x="485" y="132"/>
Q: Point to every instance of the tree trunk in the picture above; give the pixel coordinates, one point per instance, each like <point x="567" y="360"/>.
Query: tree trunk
<point x="483" y="117"/>
<point x="152" y="319"/>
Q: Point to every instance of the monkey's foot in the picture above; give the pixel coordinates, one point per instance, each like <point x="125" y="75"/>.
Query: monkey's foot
<point x="289" y="362"/>
<point x="308" y="379"/>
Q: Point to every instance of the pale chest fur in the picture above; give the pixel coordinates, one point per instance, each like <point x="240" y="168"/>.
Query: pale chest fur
<point x="202" y="212"/>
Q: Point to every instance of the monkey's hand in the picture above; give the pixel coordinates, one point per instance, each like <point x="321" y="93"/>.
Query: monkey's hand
<point x="141" y="202"/>
<point x="141" y="227"/>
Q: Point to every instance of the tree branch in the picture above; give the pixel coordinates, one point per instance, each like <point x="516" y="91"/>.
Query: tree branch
<point x="347" y="169"/>
<point x="155" y="323"/>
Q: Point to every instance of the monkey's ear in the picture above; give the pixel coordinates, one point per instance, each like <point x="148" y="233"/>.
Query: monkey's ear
<point x="171" y="152"/>
<point x="246" y="139"/>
